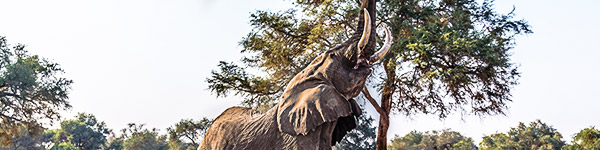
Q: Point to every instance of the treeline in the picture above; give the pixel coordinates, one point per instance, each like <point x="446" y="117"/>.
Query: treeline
<point x="535" y="136"/>
<point x="85" y="132"/>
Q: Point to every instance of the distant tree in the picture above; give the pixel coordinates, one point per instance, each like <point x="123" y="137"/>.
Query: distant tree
<point x="586" y="139"/>
<point x="187" y="133"/>
<point x="31" y="90"/>
<point x="361" y="138"/>
<point x="136" y="137"/>
<point x="84" y="133"/>
<point x="536" y="136"/>
<point x="441" y="140"/>
<point x="448" y="55"/>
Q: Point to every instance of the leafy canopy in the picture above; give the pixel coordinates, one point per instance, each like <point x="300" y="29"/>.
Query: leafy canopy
<point x="448" y="54"/>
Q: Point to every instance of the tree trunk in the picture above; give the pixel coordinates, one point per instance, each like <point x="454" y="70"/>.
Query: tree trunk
<point x="389" y="88"/>
<point x="382" y="132"/>
<point x="386" y="99"/>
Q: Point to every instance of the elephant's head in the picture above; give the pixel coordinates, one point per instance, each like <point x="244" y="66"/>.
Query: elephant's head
<point x="345" y="67"/>
<point x="350" y="66"/>
<point x="322" y="92"/>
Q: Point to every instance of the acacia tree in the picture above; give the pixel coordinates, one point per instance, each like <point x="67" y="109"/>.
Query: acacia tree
<point x="31" y="90"/>
<point x="447" y="56"/>
<point x="187" y="133"/>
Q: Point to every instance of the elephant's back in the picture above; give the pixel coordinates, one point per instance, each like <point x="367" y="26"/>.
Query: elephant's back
<point x="234" y="113"/>
<point x="226" y="128"/>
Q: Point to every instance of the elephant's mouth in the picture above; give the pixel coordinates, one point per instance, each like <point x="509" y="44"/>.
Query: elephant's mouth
<point x="362" y="63"/>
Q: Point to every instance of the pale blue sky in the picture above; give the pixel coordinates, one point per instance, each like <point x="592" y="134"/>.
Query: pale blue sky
<point x="146" y="61"/>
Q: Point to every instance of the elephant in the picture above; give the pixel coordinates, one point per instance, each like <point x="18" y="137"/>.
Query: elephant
<point x="317" y="107"/>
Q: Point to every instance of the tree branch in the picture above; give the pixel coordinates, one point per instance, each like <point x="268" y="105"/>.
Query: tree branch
<point x="374" y="103"/>
<point x="191" y="139"/>
<point x="10" y="117"/>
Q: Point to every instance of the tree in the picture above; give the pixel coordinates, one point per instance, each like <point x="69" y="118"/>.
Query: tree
<point x="361" y="138"/>
<point x="136" y="137"/>
<point x="84" y="133"/>
<point x="537" y="135"/>
<point x="31" y="90"/>
<point x="445" y="139"/>
<point x="187" y="130"/>
<point x="588" y="138"/>
<point x="448" y="55"/>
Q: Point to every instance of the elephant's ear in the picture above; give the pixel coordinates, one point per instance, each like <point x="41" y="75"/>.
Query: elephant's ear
<point x="302" y="111"/>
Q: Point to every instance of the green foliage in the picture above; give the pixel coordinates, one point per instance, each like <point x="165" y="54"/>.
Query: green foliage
<point x="84" y="133"/>
<point x="139" y="138"/>
<point x="187" y="133"/>
<point x="588" y="138"/>
<point x="537" y="135"/>
<point x="31" y="90"/>
<point x="361" y="138"/>
<point x="257" y="90"/>
<point x="448" y="54"/>
<point x="445" y="139"/>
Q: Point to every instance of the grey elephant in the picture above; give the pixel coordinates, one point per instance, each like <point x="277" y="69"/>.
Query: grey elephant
<point x="316" y="109"/>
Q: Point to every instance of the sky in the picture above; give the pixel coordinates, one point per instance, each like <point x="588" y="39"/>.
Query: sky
<point x="146" y="61"/>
